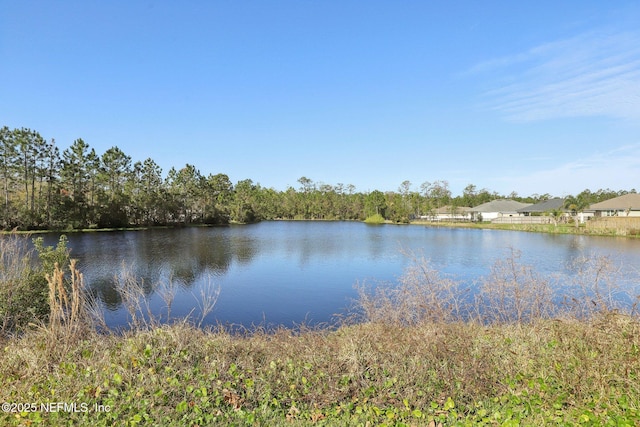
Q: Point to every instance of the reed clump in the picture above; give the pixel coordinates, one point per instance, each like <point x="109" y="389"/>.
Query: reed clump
<point x="69" y="317"/>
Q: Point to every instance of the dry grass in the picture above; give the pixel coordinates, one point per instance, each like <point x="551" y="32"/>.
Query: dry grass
<point x="69" y="319"/>
<point x="544" y="372"/>
<point x="67" y="314"/>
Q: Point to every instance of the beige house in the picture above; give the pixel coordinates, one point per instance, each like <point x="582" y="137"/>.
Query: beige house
<point x="503" y="208"/>
<point x="627" y="205"/>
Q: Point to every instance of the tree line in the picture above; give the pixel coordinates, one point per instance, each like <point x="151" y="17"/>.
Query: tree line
<point x="45" y="188"/>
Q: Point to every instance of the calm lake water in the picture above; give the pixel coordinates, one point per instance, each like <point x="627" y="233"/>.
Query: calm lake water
<point x="274" y="273"/>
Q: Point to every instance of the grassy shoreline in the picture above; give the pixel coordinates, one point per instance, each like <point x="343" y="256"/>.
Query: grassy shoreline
<point x="532" y="228"/>
<point x="547" y="372"/>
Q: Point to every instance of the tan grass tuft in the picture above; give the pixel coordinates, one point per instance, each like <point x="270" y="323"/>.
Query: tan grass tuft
<point x="69" y="319"/>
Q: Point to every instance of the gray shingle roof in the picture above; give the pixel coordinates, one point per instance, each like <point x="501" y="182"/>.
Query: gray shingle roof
<point x="545" y="206"/>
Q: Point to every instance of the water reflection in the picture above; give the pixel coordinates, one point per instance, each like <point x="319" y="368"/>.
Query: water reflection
<point x="155" y="256"/>
<point x="286" y="272"/>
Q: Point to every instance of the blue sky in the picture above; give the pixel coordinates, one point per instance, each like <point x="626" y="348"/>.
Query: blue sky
<point x="525" y="96"/>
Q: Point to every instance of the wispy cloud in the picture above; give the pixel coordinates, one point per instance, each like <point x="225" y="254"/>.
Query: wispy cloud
<point x="617" y="169"/>
<point x="592" y="74"/>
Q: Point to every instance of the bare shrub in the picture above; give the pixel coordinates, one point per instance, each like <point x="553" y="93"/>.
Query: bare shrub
<point x="421" y="295"/>
<point x="95" y="312"/>
<point x="167" y="291"/>
<point x="595" y="288"/>
<point x="207" y="300"/>
<point x="132" y="292"/>
<point x="514" y="293"/>
<point x="132" y="295"/>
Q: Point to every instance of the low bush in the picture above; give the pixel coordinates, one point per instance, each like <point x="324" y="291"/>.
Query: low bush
<point x="375" y="219"/>
<point x="23" y="285"/>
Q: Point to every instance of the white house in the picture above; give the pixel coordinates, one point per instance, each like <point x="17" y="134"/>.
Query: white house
<point x="498" y="209"/>
<point x="450" y="213"/>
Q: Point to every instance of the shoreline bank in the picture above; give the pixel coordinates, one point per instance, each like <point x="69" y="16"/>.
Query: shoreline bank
<point x="531" y="228"/>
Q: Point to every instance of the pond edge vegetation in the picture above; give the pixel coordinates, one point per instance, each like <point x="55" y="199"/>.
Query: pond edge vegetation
<point x="417" y="352"/>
